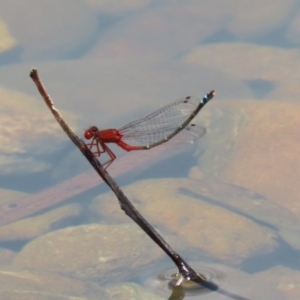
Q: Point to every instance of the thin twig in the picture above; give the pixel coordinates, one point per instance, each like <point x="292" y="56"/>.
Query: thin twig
<point x="125" y="204"/>
<point x="184" y="269"/>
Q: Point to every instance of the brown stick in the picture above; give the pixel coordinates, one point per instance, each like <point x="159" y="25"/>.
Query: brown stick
<point x="184" y="269"/>
<point x="125" y="204"/>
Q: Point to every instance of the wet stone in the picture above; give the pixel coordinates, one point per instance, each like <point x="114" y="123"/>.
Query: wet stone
<point x="7" y="42"/>
<point x="33" y="133"/>
<point x="95" y="252"/>
<point x="260" y="152"/>
<point x="286" y="280"/>
<point x="130" y="290"/>
<point x="204" y="229"/>
<point x="30" y="228"/>
<point x="16" y="283"/>
<point x="6" y="256"/>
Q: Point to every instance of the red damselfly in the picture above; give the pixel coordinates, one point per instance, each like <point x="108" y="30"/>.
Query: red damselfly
<point x="155" y="129"/>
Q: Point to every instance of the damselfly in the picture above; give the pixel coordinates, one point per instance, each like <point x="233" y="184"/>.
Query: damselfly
<point x="155" y="129"/>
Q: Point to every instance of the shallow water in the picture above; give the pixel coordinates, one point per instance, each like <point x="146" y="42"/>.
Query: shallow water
<point x="232" y="198"/>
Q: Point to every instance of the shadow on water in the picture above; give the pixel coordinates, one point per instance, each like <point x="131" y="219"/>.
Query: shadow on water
<point x="260" y="88"/>
<point x="285" y="253"/>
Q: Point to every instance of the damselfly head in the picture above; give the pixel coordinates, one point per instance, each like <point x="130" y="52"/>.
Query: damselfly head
<point x="89" y="133"/>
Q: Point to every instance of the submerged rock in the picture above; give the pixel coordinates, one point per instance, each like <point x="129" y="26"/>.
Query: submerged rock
<point x="205" y="229"/>
<point x="93" y="252"/>
<point x="16" y="283"/>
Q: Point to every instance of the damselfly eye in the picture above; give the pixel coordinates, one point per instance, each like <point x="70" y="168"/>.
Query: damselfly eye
<point x="88" y="134"/>
<point x="94" y="129"/>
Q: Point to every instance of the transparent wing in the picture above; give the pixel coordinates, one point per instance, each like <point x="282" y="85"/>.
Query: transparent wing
<point x="161" y="123"/>
<point x="189" y="134"/>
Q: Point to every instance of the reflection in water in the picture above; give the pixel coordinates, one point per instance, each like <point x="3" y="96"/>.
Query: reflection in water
<point x="178" y="293"/>
<point x="232" y="284"/>
<point x="181" y="287"/>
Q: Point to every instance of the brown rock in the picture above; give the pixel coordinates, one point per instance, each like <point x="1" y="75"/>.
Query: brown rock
<point x="286" y="280"/>
<point x="30" y="228"/>
<point x="213" y="230"/>
<point x="18" y="284"/>
<point x="95" y="252"/>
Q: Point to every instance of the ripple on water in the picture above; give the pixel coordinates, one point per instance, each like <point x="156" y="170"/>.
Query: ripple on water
<point x="239" y="284"/>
